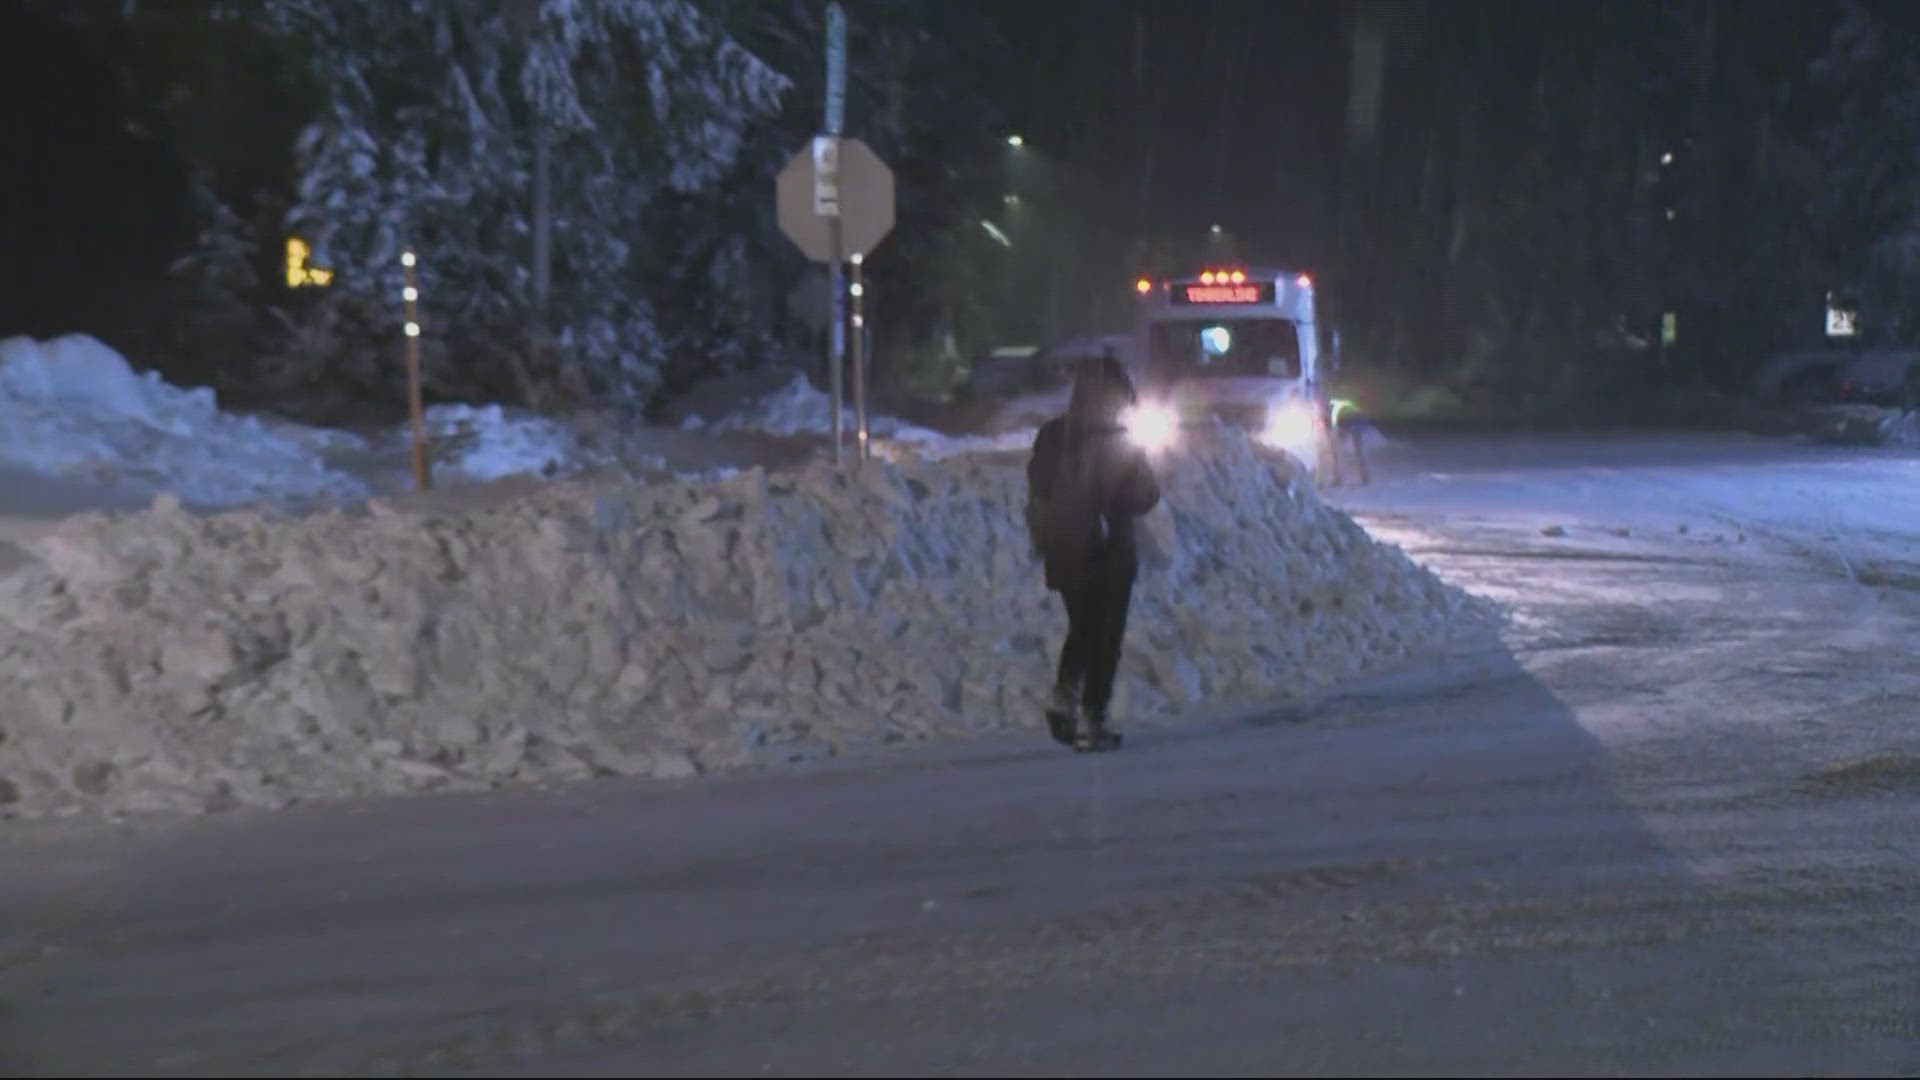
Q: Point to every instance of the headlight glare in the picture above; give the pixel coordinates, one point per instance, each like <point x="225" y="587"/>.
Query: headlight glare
<point x="1290" y="426"/>
<point x="1152" y="426"/>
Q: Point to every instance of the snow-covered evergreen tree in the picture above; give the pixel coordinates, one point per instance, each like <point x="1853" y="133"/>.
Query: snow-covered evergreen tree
<point x="916" y="96"/>
<point x="425" y="141"/>
<point x="1744" y="261"/>
<point x="1872" y="155"/>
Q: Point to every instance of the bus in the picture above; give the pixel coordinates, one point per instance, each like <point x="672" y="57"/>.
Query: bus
<point x="1238" y="343"/>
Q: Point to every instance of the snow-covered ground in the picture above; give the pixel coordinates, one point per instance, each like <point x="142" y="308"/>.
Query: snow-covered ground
<point x="73" y="410"/>
<point x="1665" y="827"/>
<point x="1856" y="511"/>
<point x="566" y="630"/>
<point x="800" y="409"/>
<point x="490" y="443"/>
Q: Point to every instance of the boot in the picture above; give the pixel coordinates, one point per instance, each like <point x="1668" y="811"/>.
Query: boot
<point x="1097" y="735"/>
<point x="1062" y="712"/>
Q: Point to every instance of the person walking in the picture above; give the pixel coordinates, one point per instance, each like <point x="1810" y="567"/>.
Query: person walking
<point x="1087" y="486"/>
<point x="1346" y="424"/>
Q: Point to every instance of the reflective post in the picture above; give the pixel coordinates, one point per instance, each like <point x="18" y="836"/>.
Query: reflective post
<point x="422" y="478"/>
<point x="858" y="290"/>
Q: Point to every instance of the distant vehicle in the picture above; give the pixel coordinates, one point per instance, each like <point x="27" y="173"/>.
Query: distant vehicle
<point x="1888" y="380"/>
<point x="1236" y="343"/>
<point x="1884" y="378"/>
<point x="1023" y="385"/>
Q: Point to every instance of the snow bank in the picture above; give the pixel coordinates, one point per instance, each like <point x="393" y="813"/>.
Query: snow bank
<point x="942" y="447"/>
<point x="72" y="407"/>
<point x="799" y="409"/>
<point x="161" y="661"/>
<point x="1900" y="429"/>
<point x="489" y="443"/>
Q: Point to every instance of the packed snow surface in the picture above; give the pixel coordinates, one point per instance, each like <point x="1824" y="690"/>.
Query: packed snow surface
<point x="73" y="407"/>
<point x="800" y="409"/>
<point x="164" y="661"/>
<point x="490" y="443"/>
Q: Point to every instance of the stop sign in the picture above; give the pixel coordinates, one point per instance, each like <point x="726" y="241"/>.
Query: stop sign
<point x="835" y="179"/>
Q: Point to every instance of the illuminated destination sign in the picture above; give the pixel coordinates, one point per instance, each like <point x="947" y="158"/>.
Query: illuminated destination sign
<point x="1251" y="292"/>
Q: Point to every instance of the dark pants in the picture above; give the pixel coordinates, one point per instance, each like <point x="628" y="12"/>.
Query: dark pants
<point x="1096" y="626"/>
<point x="1353" y="432"/>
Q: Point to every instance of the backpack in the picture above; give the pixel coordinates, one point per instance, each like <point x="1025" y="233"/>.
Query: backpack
<point x="1064" y="513"/>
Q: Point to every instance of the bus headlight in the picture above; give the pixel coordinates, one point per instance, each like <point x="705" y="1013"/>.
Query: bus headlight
<point x="1153" y="426"/>
<point x="1290" y="426"/>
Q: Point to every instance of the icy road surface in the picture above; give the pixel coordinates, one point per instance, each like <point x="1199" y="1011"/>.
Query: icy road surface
<point x="1669" y="824"/>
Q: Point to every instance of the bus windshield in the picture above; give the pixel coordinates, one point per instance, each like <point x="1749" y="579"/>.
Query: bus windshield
<point x="1223" y="349"/>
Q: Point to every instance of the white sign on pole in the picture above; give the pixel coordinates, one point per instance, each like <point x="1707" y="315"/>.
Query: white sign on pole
<point x="826" y="176"/>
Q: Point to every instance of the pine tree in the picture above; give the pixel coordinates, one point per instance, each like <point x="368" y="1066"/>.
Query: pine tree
<point x="1871" y="147"/>
<point x="425" y="141"/>
<point x="915" y="95"/>
<point x="1744" y="266"/>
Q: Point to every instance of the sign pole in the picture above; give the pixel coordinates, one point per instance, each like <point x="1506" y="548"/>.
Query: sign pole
<point x="836" y="113"/>
<point x="859" y="291"/>
<point x="837" y="336"/>
<point x="835" y="198"/>
<point x="830" y="231"/>
<point x="422" y="478"/>
<point x="826" y="207"/>
<point x="836" y="69"/>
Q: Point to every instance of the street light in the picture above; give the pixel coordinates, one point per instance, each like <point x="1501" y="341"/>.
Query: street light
<point x="1016" y="141"/>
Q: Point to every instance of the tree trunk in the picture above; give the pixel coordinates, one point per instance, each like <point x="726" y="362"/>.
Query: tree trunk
<point x="542" y="225"/>
<point x="1145" y="109"/>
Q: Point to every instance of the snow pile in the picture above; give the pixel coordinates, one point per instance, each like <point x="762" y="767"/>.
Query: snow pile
<point x="165" y="661"/>
<point x="490" y="443"/>
<point x="1900" y="429"/>
<point x="72" y="407"/>
<point x="799" y="409"/>
<point x="941" y="447"/>
<point x="1856" y="424"/>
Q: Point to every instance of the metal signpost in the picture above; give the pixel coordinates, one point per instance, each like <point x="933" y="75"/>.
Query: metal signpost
<point x="859" y="290"/>
<point x="835" y="200"/>
<point x="836" y="69"/>
<point x="826" y="195"/>
<point x="410" y="296"/>
<point x="826" y="206"/>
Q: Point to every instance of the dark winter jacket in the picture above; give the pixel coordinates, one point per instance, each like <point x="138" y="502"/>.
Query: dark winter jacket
<point x="1087" y="482"/>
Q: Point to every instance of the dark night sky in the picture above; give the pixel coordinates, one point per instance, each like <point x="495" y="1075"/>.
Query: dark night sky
<point x="1169" y="114"/>
<point x="1200" y="112"/>
<point x="90" y="205"/>
<point x="1211" y="124"/>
